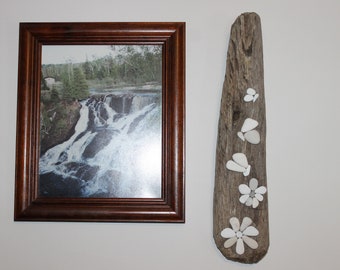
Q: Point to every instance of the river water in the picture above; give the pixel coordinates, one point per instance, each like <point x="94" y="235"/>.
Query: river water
<point x="115" y="150"/>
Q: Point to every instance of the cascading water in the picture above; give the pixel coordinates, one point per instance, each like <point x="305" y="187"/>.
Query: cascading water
<point x="115" y="150"/>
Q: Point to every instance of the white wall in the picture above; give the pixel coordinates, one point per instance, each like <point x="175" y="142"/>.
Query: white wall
<point x="302" y="70"/>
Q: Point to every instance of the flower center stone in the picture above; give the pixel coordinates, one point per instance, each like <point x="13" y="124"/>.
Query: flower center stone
<point x="239" y="234"/>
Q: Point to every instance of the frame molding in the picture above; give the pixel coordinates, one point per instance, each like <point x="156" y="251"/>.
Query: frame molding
<point x="170" y="207"/>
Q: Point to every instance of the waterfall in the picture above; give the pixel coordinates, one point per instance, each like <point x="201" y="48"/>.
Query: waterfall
<point x="115" y="150"/>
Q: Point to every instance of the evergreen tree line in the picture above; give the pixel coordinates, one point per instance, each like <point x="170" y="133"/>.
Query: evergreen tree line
<point x="129" y="65"/>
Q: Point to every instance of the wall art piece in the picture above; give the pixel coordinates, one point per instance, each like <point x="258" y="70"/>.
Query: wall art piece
<point x="100" y="127"/>
<point x="240" y="195"/>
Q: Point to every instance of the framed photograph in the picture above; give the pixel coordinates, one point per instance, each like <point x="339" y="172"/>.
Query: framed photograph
<point x="100" y="122"/>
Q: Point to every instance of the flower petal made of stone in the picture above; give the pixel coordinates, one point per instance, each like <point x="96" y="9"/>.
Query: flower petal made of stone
<point x="244" y="198"/>
<point x="250" y="242"/>
<point x="253" y="183"/>
<point x="230" y="242"/>
<point x="258" y="197"/>
<point x="251" y="91"/>
<point x="245" y="223"/>
<point x="235" y="223"/>
<point x="227" y="233"/>
<point x="249" y="124"/>
<point x="255" y="97"/>
<point x="261" y="190"/>
<point x="248" y="98"/>
<point x="249" y="201"/>
<point x="239" y="246"/>
<point x="255" y="202"/>
<point x="244" y="189"/>
<point x="252" y="136"/>
<point x="251" y="231"/>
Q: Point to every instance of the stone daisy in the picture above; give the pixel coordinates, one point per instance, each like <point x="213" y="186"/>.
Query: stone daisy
<point x="239" y="234"/>
<point x="252" y="195"/>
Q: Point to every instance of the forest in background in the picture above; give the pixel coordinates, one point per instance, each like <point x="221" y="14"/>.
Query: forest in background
<point x="127" y="66"/>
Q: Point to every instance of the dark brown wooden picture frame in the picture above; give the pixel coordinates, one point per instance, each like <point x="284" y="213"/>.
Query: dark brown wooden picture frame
<point x="29" y="206"/>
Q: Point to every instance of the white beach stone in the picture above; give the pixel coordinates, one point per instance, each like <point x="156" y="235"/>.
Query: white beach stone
<point x="240" y="135"/>
<point x="230" y="242"/>
<point x="261" y="190"/>
<point x="228" y="233"/>
<point x="255" y="203"/>
<point x="241" y="159"/>
<point x="251" y="231"/>
<point x="233" y="166"/>
<point x="239" y="247"/>
<point x="249" y="202"/>
<point x="249" y="124"/>
<point x="252" y="136"/>
<point x="253" y="183"/>
<point x="244" y="189"/>
<point x="250" y="242"/>
<point x="251" y="91"/>
<point x="244" y="198"/>
<point x="259" y="197"/>
<point x="235" y="223"/>
<point x="247" y="171"/>
<point x="245" y="223"/>
<point x="248" y="98"/>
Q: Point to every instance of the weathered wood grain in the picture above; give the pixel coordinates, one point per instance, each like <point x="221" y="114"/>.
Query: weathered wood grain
<point x="244" y="69"/>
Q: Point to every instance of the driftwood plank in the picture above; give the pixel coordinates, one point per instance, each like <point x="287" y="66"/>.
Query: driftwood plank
<point x="244" y="70"/>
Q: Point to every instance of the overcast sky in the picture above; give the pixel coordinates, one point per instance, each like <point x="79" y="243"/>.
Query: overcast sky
<point x="59" y="54"/>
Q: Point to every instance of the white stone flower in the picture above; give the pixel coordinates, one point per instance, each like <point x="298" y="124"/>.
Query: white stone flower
<point x="252" y="195"/>
<point x="240" y="234"/>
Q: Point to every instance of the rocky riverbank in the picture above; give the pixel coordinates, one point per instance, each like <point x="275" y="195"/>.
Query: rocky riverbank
<point x="57" y="122"/>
